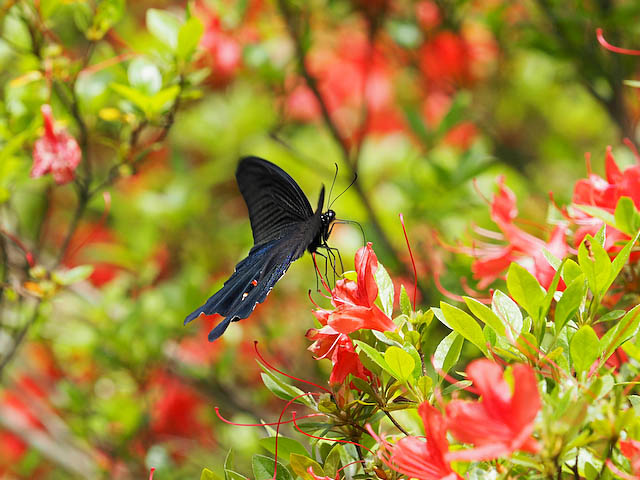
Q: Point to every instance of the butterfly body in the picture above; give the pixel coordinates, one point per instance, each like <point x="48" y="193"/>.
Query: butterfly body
<point x="283" y="225"/>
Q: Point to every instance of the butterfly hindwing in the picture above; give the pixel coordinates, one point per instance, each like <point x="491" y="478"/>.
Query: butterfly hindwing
<point x="253" y="279"/>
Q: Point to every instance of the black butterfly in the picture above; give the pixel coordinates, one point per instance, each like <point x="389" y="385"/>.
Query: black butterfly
<point x="284" y="226"/>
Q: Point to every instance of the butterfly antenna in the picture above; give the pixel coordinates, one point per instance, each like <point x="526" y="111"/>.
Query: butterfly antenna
<point x="335" y="175"/>
<point x="352" y="222"/>
<point x="355" y="177"/>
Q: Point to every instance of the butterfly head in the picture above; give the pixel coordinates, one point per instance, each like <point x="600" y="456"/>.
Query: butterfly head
<point x="327" y="218"/>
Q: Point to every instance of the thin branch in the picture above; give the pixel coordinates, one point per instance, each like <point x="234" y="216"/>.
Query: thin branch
<point x="292" y="24"/>
<point x="81" y="206"/>
<point x="393" y="420"/>
<point x="4" y="256"/>
<point x="19" y="338"/>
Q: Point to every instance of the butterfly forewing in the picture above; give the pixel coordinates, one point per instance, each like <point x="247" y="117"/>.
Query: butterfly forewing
<point x="273" y="198"/>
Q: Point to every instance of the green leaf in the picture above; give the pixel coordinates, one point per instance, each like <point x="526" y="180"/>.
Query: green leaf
<point x="632" y="83"/>
<point x="333" y="461"/>
<point x="554" y="261"/>
<point x="228" y="460"/>
<point x="405" y="303"/>
<point x="440" y="316"/>
<point x="207" y="474"/>
<point x="108" y="13"/>
<point x="162" y="100"/>
<point x="138" y="98"/>
<point x="286" y="446"/>
<point x="448" y="351"/>
<point x="569" y="303"/>
<point x="486" y="315"/>
<point x="625" y="329"/>
<point x="601" y="236"/>
<point x="263" y="469"/>
<point x="610" y="316"/>
<point x="282" y="389"/>
<point x="627" y="216"/>
<point x="570" y="271"/>
<point x="596" y="212"/>
<point x="189" y="37"/>
<point x="300" y="464"/>
<point x="362" y="385"/>
<point x="385" y="289"/>
<point x="164" y="26"/>
<point x="411" y="350"/>
<point x="73" y="275"/>
<point x="508" y="312"/>
<point x="525" y="289"/>
<point x="231" y="475"/>
<point x="375" y="356"/>
<point x="144" y="76"/>
<point x="549" y="296"/>
<point x="400" y="362"/>
<point x="595" y="264"/>
<point x="425" y="383"/>
<point x="584" y="348"/>
<point x="621" y="259"/>
<point x="465" y="325"/>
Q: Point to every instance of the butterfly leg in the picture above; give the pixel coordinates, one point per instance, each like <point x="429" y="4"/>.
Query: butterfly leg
<point x="339" y="256"/>
<point x="317" y="269"/>
<point x="332" y="260"/>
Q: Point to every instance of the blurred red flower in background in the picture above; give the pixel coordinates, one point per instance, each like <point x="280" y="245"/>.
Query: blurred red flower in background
<point x="56" y="152"/>
<point x="85" y="248"/>
<point x="222" y="48"/>
<point x="502" y="420"/>
<point x="351" y="72"/>
<point x="177" y="409"/>
<point x="428" y="14"/>
<point x="445" y="61"/>
<point x="414" y="457"/>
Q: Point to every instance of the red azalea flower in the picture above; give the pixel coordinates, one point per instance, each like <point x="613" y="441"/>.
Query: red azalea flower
<point x="355" y="309"/>
<point x="522" y="247"/>
<point x="605" y="193"/>
<point x="354" y="301"/>
<point x="414" y="457"/>
<point x="56" y="152"/>
<point x="338" y="347"/>
<point x="501" y="421"/>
